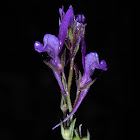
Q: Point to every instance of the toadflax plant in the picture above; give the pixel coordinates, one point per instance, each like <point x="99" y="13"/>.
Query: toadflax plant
<point x="72" y="36"/>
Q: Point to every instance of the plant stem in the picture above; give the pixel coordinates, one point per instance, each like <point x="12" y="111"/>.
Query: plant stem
<point x="67" y="94"/>
<point x="70" y="82"/>
<point x="70" y="73"/>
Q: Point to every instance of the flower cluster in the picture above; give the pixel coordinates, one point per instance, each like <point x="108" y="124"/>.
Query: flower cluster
<point x="72" y="35"/>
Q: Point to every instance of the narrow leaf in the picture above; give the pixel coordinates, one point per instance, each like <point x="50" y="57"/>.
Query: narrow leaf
<point x="80" y="76"/>
<point x="66" y="45"/>
<point x="63" y="81"/>
<point x="77" y="135"/>
<point x="62" y="129"/>
<point x="63" y="58"/>
<point x="71" y="129"/>
<point x="70" y="35"/>
<point x="76" y="73"/>
<point x="77" y="48"/>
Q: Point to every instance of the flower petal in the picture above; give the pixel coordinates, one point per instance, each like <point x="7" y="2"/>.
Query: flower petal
<point x="51" y="45"/>
<point x="61" y="12"/>
<point x="38" y="46"/>
<point x="64" y="26"/>
<point x="103" y="65"/>
<point x="91" y="62"/>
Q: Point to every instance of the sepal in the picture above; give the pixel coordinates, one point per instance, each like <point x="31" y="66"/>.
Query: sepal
<point x="70" y="33"/>
<point x="63" y="58"/>
<point x="79" y="79"/>
<point x="88" y="84"/>
<point x="51" y="66"/>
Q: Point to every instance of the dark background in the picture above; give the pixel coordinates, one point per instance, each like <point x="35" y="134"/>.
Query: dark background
<point x="29" y="93"/>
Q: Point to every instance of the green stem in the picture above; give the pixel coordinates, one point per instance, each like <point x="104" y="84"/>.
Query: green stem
<point x="69" y="102"/>
<point x="70" y="82"/>
<point x="67" y="94"/>
<point x="70" y="73"/>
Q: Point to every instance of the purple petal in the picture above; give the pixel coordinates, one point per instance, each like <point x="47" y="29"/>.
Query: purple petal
<point x="57" y="63"/>
<point x="91" y="62"/>
<point x="85" y="80"/>
<point x="80" y="99"/>
<point x="61" y="11"/>
<point x="38" y="46"/>
<point x="51" y="45"/>
<point x="64" y="26"/>
<point x="103" y="65"/>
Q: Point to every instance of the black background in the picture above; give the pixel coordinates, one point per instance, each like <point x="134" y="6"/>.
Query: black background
<point x="29" y="93"/>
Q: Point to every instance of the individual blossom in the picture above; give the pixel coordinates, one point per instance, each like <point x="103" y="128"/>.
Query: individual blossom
<point x="91" y="63"/>
<point x="53" y="45"/>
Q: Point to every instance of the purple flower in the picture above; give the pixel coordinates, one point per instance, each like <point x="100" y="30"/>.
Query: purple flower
<point x="91" y="62"/>
<point x="53" y="45"/>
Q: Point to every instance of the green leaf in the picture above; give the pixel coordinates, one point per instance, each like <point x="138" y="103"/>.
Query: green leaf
<point x="71" y="36"/>
<point x="51" y="66"/>
<point x="80" y="76"/>
<point x="77" y="48"/>
<point x="63" y="82"/>
<point x="71" y="129"/>
<point x="66" y="45"/>
<point x="89" y="84"/>
<point x="77" y="135"/>
<point x="63" y="58"/>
